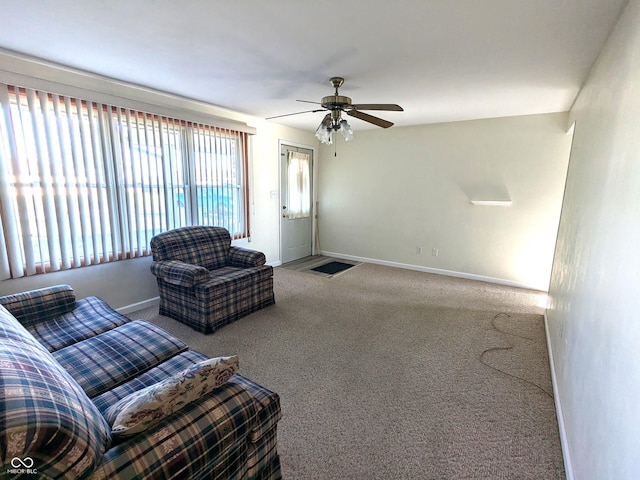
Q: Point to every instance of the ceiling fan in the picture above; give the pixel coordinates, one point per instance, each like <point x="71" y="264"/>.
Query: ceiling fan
<point x="336" y="104"/>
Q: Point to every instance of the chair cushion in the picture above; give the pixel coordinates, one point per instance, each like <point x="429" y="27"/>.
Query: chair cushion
<point x="45" y="415"/>
<point x="231" y="282"/>
<point x="205" y="246"/>
<point x="145" y="408"/>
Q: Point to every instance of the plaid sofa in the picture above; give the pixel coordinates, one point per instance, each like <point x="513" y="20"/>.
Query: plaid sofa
<point x="206" y="283"/>
<point x="65" y="361"/>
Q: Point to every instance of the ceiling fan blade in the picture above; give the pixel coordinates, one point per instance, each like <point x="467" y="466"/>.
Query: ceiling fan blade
<point x="296" y="113"/>
<point x="308" y="101"/>
<point x="390" y="107"/>
<point x="370" y="118"/>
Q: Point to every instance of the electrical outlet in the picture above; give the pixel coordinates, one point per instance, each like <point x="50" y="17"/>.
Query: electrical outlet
<point x="434" y="252"/>
<point x="419" y="250"/>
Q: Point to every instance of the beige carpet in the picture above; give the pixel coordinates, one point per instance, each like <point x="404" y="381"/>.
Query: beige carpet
<point x="393" y="374"/>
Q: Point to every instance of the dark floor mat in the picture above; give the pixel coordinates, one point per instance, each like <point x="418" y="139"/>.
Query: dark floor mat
<point x="332" y="268"/>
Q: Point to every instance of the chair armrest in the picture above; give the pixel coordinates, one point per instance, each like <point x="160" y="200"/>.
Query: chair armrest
<point x="40" y="305"/>
<point x="179" y="273"/>
<point x="245" y="258"/>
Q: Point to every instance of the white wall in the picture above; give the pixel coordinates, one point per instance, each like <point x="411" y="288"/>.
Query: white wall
<point x="593" y="316"/>
<point x="129" y="282"/>
<point x="265" y="219"/>
<point x="390" y="191"/>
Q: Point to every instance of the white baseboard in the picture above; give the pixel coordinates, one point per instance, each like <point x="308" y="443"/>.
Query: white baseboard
<point x="134" y="307"/>
<point x="560" y="416"/>
<point x="437" y="271"/>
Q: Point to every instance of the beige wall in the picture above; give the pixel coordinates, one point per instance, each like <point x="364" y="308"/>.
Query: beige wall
<point x="126" y="283"/>
<point x="390" y="191"/>
<point x="265" y="219"/>
<point x="593" y="323"/>
<point x="386" y="193"/>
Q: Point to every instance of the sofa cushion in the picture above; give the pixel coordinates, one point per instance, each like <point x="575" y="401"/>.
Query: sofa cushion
<point x="156" y="374"/>
<point x="145" y="408"/>
<point x="100" y="363"/>
<point x="45" y="415"/>
<point x="11" y="330"/>
<point x="92" y="316"/>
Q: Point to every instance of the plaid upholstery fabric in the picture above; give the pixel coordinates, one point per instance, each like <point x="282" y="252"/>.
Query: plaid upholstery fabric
<point x="156" y="374"/>
<point x="268" y="411"/>
<point x="267" y="407"/>
<point x="207" y="247"/>
<point x="45" y="415"/>
<point x="228" y="281"/>
<point x="263" y="460"/>
<point x="209" y="434"/>
<point x="206" y="311"/>
<point x="91" y="317"/>
<point x="180" y="273"/>
<point x="240" y="284"/>
<point x="113" y="357"/>
<point x="11" y="330"/>
<point x="245" y="258"/>
<point x="40" y="305"/>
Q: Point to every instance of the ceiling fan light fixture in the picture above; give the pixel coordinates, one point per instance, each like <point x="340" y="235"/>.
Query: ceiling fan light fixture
<point x="346" y="131"/>
<point x="323" y="134"/>
<point x="325" y="130"/>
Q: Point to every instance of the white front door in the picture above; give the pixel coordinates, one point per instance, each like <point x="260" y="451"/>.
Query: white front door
<point x="296" y="202"/>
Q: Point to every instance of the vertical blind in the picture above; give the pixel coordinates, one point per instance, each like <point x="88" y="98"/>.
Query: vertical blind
<point x="84" y="183"/>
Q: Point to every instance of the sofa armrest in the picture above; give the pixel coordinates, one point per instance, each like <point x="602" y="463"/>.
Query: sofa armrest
<point x="245" y="258"/>
<point x="179" y="273"/>
<point x="199" y="437"/>
<point x="39" y="305"/>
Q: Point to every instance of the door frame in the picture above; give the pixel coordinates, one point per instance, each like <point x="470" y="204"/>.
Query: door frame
<point x="314" y="193"/>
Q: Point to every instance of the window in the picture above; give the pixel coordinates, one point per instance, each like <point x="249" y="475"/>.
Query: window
<point x="83" y="183"/>
<point x="298" y="185"/>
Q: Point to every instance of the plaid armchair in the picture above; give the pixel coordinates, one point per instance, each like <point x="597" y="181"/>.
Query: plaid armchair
<point x="206" y="283"/>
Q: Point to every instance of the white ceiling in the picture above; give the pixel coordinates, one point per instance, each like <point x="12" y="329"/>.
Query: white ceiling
<point x="442" y="60"/>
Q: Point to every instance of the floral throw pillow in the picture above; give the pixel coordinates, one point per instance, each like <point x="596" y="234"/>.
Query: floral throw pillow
<point x="141" y="410"/>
